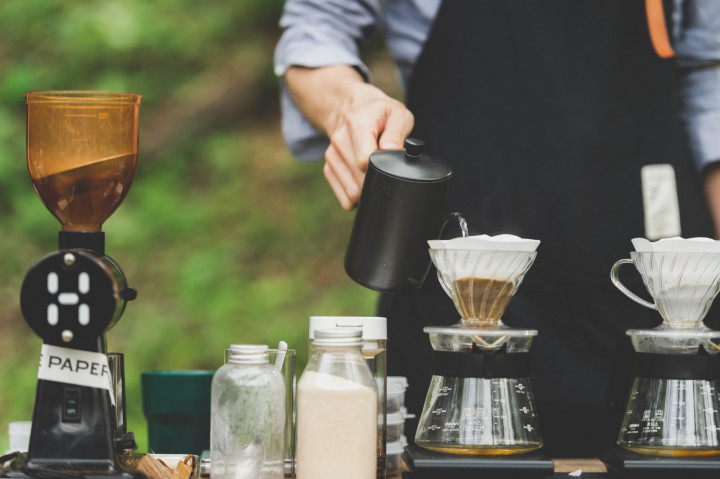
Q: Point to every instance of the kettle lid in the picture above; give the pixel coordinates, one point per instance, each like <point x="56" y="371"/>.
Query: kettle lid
<point x="410" y="164"/>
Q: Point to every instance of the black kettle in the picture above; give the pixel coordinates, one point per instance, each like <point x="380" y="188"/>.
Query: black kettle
<point x="402" y="206"/>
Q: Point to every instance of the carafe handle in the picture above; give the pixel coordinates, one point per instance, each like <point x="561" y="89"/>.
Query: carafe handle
<point x="616" y="281"/>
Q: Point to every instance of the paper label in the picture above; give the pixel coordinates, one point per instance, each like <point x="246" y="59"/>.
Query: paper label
<point x="660" y="202"/>
<point x="73" y="366"/>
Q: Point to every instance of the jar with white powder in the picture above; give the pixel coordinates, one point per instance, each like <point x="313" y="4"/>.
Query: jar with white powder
<point x="337" y="410"/>
<point x="247" y="428"/>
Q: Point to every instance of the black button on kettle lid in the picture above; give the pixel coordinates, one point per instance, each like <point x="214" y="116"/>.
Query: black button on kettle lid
<point x="410" y="164"/>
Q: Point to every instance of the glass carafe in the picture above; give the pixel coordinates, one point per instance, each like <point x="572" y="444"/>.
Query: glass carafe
<point x="672" y="417"/>
<point x="480" y="400"/>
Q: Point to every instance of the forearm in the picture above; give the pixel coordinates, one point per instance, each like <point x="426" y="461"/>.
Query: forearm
<point x="712" y="194"/>
<point x="326" y="94"/>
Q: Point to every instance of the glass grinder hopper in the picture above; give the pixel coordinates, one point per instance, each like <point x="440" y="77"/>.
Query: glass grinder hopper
<point x="82" y="151"/>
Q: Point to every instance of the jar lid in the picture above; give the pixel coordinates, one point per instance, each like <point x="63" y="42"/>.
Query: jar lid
<point x="396" y="384"/>
<point x="249" y="353"/>
<point x="395" y="418"/>
<point x="394" y="448"/>
<point x="373" y="327"/>
<point x="338" y="337"/>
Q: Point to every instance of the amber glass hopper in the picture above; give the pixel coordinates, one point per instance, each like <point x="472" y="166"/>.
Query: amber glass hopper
<point x="82" y="149"/>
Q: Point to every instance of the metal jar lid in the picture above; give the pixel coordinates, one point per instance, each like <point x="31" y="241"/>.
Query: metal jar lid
<point x="338" y="337"/>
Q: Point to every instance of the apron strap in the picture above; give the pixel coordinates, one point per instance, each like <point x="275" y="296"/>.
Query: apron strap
<point x="658" y="29"/>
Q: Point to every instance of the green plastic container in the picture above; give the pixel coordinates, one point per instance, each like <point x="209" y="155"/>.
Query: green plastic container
<point x="177" y="408"/>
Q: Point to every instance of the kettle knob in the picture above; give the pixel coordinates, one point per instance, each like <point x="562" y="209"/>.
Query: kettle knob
<point x="413" y="148"/>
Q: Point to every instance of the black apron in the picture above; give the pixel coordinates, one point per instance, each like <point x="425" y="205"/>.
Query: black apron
<point x="546" y="111"/>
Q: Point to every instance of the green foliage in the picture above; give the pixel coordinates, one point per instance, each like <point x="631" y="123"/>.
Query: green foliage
<point x="226" y="238"/>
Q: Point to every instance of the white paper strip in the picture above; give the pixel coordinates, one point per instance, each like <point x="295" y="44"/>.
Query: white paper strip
<point x="73" y="366"/>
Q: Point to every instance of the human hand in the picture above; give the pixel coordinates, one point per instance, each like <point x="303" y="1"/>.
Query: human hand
<point x="357" y="117"/>
<point x="369" y="120"/>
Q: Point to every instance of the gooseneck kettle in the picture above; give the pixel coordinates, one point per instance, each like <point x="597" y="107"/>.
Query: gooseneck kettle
<point x="402" y="205"/>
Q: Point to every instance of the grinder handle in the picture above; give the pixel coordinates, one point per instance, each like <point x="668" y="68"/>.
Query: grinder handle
<point x="616" y="281"/>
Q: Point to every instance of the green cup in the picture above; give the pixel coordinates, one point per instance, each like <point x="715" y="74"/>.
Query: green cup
<point x="177" y="408"/>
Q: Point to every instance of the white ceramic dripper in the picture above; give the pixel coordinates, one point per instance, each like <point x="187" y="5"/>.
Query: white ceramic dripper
<point x="683" y="278"/>
<point x="482" y="273"/>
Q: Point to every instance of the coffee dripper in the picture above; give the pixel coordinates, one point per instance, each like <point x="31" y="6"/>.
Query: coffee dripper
<point x="82" y="151"/>
<point x="674" y="400"/>
<point x="479" y="400"/>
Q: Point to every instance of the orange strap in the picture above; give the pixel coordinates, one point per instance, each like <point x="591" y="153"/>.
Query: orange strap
<point x="658" y="29"/>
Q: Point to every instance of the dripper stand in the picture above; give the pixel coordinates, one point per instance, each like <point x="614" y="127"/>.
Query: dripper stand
<point x="82" y="154"/>
<point x="479" y="401"/>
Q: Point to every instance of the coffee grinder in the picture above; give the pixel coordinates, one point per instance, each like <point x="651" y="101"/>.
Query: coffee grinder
<point x="673" y="408"/>
<point x="479" y="401"/>
<point x="82" y="149"/>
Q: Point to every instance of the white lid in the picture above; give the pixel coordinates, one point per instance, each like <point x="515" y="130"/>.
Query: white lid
<point x="395" y="418"/>
<point x="396" y="384"/>
<point x="373" y="327"/>
<point x="20" y="427"/>
<point x="338" y="337"/>
<point x="248" y="353"/>
<point x="394" y="448"/>
<point x="248" y="348"/>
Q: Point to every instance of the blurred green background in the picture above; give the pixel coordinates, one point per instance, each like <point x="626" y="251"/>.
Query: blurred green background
<point x="225" y="236"/>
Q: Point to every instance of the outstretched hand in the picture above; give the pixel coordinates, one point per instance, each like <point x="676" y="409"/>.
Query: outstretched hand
<point x="357" y="117"/>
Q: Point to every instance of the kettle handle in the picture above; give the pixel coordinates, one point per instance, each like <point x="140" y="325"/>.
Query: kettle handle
<point x="463" y="229"/>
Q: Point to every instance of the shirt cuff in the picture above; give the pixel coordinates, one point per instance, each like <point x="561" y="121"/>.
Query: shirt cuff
<point x="313" y="50"/>
<point x="303" y="140"/>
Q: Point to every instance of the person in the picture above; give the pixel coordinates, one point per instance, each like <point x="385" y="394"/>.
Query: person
<point x="581" y="123"/>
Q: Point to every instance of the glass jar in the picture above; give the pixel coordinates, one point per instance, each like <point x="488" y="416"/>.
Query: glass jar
<point x="337" y="409"/>
<point x="374" y="347"/>
<point x="247" y="416"/>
